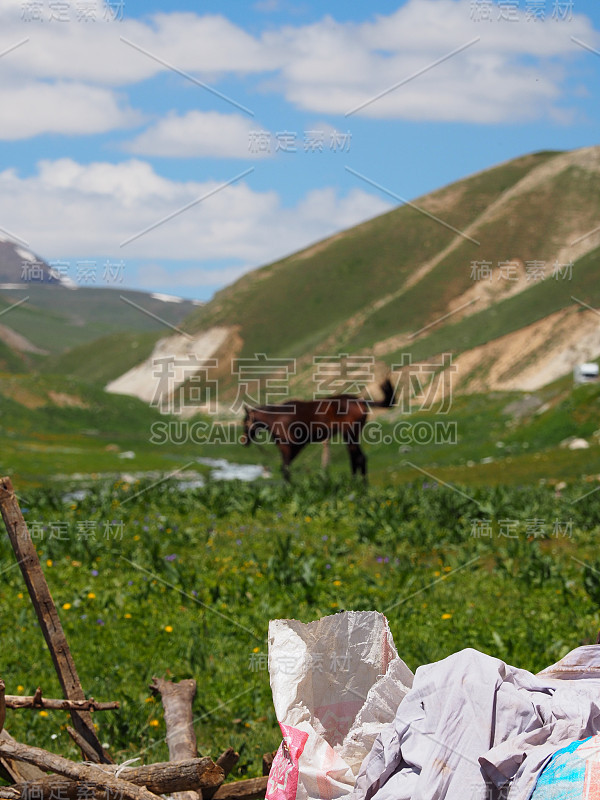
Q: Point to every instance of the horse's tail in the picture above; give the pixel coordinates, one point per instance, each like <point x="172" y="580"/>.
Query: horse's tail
<point x="389" y="396"/>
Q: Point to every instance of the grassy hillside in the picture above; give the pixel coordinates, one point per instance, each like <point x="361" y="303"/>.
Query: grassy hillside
<point x="57" y="319"/>
<point x="103" y="359"/>
<point x="532" y="227"/>
<point x="289" y="307"/>
<point x="539" y="300"/>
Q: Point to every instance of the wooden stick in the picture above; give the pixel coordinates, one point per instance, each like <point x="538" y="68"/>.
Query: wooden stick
<point x="181" y="738"/>
<point x="250" y="789"/>
<point x="47" y="614"/>
<point x="267" y="762"/>
<point x="88" y="751"/>
<point x="93" y="775"/>
<point x="2" y="705"/>
<point x="162" y="778"/>
<point x="25" y="701"/>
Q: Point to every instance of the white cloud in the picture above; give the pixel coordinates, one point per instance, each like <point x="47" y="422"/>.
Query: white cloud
<point x="516" y="70"/>
<point x="197" y="134"/>
<point x="62" y="107"/>
<point x="510" y="73"/>
<point x="75" y="209"/>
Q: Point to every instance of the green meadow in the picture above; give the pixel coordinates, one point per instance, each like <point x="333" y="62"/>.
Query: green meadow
<point x="152" y="580"/>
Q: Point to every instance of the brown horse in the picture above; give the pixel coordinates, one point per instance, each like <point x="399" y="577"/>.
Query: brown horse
<point x="294" y="424"/>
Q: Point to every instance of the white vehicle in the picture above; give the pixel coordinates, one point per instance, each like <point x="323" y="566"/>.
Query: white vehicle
<point x="586" y="373"/>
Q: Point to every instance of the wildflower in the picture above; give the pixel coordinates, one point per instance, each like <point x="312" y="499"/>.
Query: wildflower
<point x="20" y="595"/>
<point x="100" y="621"/>
<point x="169" y="628"/>
<point x="66" y="606"/>
<point x="43" y="713"/>
<point x="255" y="649"/>
<point x="20" y="689"/>
<point x="95" y="573"/>
<point x="154" y="723"/>
<point x="307" y="519"/>
<point x="48" y="562"/>
<point x="446" y="616"/>
<point x="127" y="615"/>
<point x="172" y="557"/>
<point x="91" y="596"/>
<point x="337" y="583"/>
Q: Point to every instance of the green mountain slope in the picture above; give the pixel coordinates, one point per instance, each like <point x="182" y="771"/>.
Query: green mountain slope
<point x="291" y="306"/>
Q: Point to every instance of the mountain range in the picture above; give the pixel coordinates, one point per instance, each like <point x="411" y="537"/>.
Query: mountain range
<point x="494" y="277"/>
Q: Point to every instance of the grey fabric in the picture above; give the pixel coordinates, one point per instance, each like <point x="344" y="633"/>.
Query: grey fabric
<point x="475" y="728"/>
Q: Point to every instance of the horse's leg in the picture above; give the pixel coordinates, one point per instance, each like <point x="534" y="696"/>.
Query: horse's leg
<point x="358" y="459"/>
<point x="286" y="458"/>
<point x="325" y="455"/>
<point x="288" y="454"/>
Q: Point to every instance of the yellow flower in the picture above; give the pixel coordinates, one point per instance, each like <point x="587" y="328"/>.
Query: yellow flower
<point x="75" y="563"/>
<point x="43" y="713"/>
<point x="169" y="628"/>
<point x="49" y="562"/>
<point x="136" y="538"/>
<point x="20" y="595"/>
<point x="437" y="573"/>
<point x="447" y="569"/>
<point x="337" y="583"/>
<point x="149" y="700"/>
<point x="446" y="616"/>
<point x="91" y="596"/>
<point x="66" y="606"/>
<point x="20" y="689"/>
<point x="255" y="650"/>
<point x="307" y="519"/>
<point x="127" y="616"/>
<point x="154" y="723"/>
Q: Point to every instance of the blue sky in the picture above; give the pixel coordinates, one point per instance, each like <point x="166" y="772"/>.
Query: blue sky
<point x="195" y="141"/>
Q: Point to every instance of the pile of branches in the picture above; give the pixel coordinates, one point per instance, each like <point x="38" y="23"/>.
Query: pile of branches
<point x="37" y="774"/>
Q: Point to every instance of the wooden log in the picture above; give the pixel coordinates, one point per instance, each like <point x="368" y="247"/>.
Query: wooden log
<point x="15" y="771"/>
<point x="46" y="612"/>
<point x="177" y="701"/>
<point x="250" y="789"/>
<point x="92" y="775"/>
<point x="37" y="701"/>
<point x="227" y="760"/>
<point x="161" y="778"/>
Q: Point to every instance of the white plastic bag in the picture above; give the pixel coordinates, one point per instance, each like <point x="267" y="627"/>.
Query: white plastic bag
<point x="336" y="682"/>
